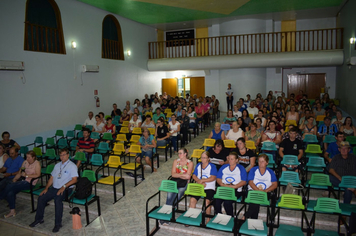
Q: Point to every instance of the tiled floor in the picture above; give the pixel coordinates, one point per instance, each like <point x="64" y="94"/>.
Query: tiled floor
<point x="126" y="217"/>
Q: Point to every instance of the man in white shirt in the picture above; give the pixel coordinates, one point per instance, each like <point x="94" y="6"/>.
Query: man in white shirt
<point x="252" y="109"/>
<point x="90" y="120"/>
<point x="155" y="105"/>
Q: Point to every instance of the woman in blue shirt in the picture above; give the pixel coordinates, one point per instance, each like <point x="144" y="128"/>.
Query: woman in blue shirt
<point x="147" y="143"/>
<point x="217" y="132"/>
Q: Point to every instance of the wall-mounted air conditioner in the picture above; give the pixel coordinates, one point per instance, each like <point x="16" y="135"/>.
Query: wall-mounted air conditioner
<point x="12" y="65"/>
<point x="90" y="68"/>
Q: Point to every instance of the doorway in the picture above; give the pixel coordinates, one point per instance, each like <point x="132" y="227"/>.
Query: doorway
<point x="185" y="85"/>
<point x="310" y="84"/>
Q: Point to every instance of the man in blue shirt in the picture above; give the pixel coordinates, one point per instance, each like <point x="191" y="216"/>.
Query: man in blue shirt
<point x="11" y="167"/>
<point x="327" y="129"/>
<point x="63" y="176"/>
<point x="333" y="148"/>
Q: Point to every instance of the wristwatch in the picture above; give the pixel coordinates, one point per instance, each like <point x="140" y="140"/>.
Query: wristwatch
<point x="64" y="186"/>
<point x="26" y="176"/>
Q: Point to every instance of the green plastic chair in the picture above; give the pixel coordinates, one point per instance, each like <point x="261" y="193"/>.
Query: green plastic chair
<point x="38" y="152"/>
<point x="290" y="201"/>
<point x="351" y="139"/>
<point x="73" y="144"/>
<point x="310" y="138"/>
<point x="268" y="146"/>
<point x="271" y="162"/>
<point x="313" y="148"/>
<point x="70" y="135"/>
<point x="260" y="198"/>
<point x="78" y="127"/>
<point x="38" y="140"/>
<point x="107" y="136"/>
<point x="23" y="150"/>
<point x="80" y="134"/>
<point x="347" y="182"/>
<point x="80" y="156"/>
<point x="59" y="133"/>
<point x="326" y="206"/>
<point x="95" y="135"/>
<point x="51" y="154"/>
<point x="193" y="189"/>
<point x="223" y="193"/>
<point x="103" y="148"/>
<point x="329" y="139"/>
<point x="315" y="164"/>
<point x="47" y="170"/>
<point x="50" y="143"/>
<point x="62" y="143"/>
<point x="90" y="127"/>
<point x="290" y="160"/>
<point x="317" y="181"/>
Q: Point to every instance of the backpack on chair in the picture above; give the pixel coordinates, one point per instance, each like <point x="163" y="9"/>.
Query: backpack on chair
<point x="83" y="188"/>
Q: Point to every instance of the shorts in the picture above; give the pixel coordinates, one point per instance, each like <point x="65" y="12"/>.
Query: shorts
<point x="209" y="195"/>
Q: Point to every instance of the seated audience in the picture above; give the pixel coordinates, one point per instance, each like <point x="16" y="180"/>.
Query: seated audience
<point x="125" y="116"/>
<point x="247" y="157"/>
<point x="162" y="133"/>
<point x="30" y="169"/>
<point x="192" y="117"/>
<point x="90" y="120"/>
<point x="155" y="105"/>
<point x="252" y="109"/>
<point x="115" y="111"/>
<point x="86" y="145"/>
<point x="205" y="174"/>
<point x="333" y="148"/>
<point x="135" y="122"/>
<point x="184" y="126"/>
<point x="319" y="111"/>
<point x="286" y="134"/>
<point x="253" y="134"/>
<point x="11" y="167"/>
<point x="271" y="134"/>
<point x="260" y="116"/>
<point x="332" y="112"/>
<point x="217" y="132"/>
<point x="148" y="123"/>
<point x="98" y="126"/>
<point x="181" y="173"/>
<point x="102" y="117"/>
<point x="263" y="179"/>
<point x="158" y="115"/>
<point x="7" y="142"/>
<point x="3" y="155"/>
<point x="174" y="128"/>
<point x="327" y="129"/>
<point x="242" y="125"/>
<point x="246" y="117"/>
<point x="309" y="128"/>
<point x="229" y="118"/>
<point x="199" y="110"/>
<point x="110" y="127"/>
<point x="291" y="146"/>
<point x="338" y="120"/>
<point x="293" y="114"/>
<point x="147" y="143"/>
<point x="219" y="152"/>
<point x="348" y="128"/>
<point x="303" y="119"/>
<point x="343" y="164"/>
<point x="231" y="175"/>
<point x="235" y="133"/>
<point x="215" y="105"/>
<point x="236" y="113"/>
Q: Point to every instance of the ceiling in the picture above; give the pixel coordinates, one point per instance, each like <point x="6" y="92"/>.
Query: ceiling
<point x="180" y="14"/>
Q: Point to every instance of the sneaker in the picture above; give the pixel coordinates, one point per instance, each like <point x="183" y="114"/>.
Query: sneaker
<point x="56" y="228"/>
<point x="36" y="222"/>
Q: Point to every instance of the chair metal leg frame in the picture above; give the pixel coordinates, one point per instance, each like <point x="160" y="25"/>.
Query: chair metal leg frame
<point x="31" y="192"/>
<point x="121" y="180"/>
<point x="340" y="218"/>
<point x="86" y="205"/>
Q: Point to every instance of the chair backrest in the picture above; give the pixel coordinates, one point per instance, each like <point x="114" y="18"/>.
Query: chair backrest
<point x="195" y="189"/>
<point x="320" y="118"/>
<point x="291" y="122"/>
<point x="50" y="141"/>
<point x="78" y="127"/>
<point x="310" y="138"/>
<point x="269" y="146"/>
<point x="209" y="142"/>
<point x="96" y="159"/>
<point x="225" y="127"/>
<point x="95" y="135"/>
<point x="320" y="179"/>
<point x="135" y="138"/>
<point x="197" y="153"/>
<point x="229" y="143"/>
<point x="169" y="186"/>
<point x="251" y="116"/>
<point x="23" y="149"/>
<point x="38" y="151"/>
<point x="39" y="140"/>
<point x="125" y="123"/>
<point x="225" y="193"/>
<point x="80" y="134"/>
<point x="290" y="160"/>
<point x="121" y="138"/>
<point x="62" y="143"/>
<point x="351" y="139"/>
<point x="73" y="143"/>
<point x="49" y="169"/>
<point x="59" y="132"/>
<point x="115" y="122"/>
<point x="250" y="144"/>
<point x="107" y="136"/>
<point x="114" y="161"/>
<point x="80" y="156"/>
<point x="149" y="113"/>
<point x="124" y="130"/>
<point x="167" y="110"/>
<point x="103" y="146"/>
<point x="90" y="127"/>
<point x="327" y="205"/>
<point x="257" y="197"/>
<point x="152" y="130"/>
<point x="270" y="157"/>
<point x="329" y="139"/>
<point x="316" y="162"/>
<point x="313" y="148"/>
<point x="70" y="134"/>
<point x="348" y="182"/>
<point x="50" y="153"/>
<point x="289" y="177"/>
<point x="118" y="148"/>
<point x="116" y="118"/>
<point x="137" y="130"/>
<point x="135" y="148"/>
<point x="291" y="201"/>
<point x="90" y="174"/>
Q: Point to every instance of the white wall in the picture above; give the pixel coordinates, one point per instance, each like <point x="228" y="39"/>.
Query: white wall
<point x="52" y="98"/>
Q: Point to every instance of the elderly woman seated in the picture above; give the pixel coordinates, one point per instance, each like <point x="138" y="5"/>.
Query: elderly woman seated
<point x="217" y="132"/>
<point x="235" y="133"/>
<point x="30" y="169"/>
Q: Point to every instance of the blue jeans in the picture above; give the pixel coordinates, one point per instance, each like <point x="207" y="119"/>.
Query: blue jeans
<point x="3" y="184"/>
<point x="174" y="142"/>
<point x="11" y="190"/>
<point x="171" y="196"/>
<point x="147" y="154"/>
<point x="161" y="143"/>
<point x="58" y="204"/>
<point x="347" y="194"/>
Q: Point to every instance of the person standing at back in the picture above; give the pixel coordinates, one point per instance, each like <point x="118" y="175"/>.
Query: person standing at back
<point x="229" y="97"/>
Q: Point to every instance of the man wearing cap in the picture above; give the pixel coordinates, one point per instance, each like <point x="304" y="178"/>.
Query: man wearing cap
<point x="334" y="147"/>
<point x="343" y="164"/>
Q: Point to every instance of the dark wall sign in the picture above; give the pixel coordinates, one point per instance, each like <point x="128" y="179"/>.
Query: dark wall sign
<point x="185" y="36"/>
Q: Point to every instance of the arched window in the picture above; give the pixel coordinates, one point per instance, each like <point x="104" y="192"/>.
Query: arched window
<point x="43" y="27"/>
<point x="112" y="40"/>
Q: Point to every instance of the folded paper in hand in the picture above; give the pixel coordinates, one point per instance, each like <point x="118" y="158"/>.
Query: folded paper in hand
<point x="215" y="161"/>
<point x="222" y="219"/>
<point x="192" y="213"/>
<point x="255" y="224"/>
<point x="165" y="209"/>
